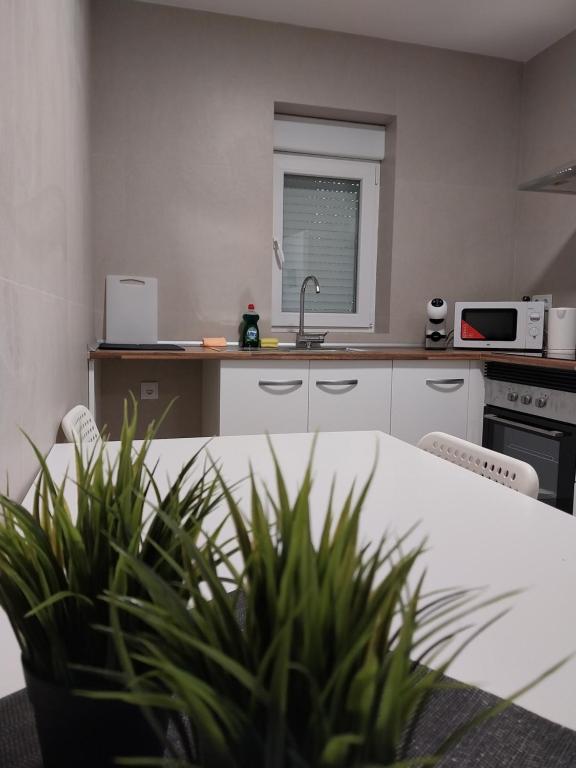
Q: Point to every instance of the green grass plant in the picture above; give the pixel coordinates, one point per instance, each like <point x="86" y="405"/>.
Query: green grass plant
<point x="300" y="652"/>
<point x="55" y="565"/>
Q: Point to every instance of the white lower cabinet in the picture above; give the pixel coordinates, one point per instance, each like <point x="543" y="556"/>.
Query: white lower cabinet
<point x="247" y="397"/>
<point x="429" y="396"/>
<point x="268" y="397"/>
<point x="349" y="396"/>
<point x="406" y="399"/>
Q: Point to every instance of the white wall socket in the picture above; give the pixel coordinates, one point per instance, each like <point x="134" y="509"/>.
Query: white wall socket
<point x="148" y="390"/>
<point x="545" y="297"/>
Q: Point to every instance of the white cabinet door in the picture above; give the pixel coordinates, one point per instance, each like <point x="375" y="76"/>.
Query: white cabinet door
<point x="351" y="395"/>
<point x="429" y="396"/>
<point x="268" y="397"/>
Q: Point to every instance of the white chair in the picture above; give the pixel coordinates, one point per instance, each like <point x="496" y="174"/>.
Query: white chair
<point x="502" y="469"/>
<point x="79" y="426"/>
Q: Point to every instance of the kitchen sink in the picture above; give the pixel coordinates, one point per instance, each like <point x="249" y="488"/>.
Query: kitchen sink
<point x="293" y="349"/>
<point x="315" y="350"/>
<point x="323" y="348"/>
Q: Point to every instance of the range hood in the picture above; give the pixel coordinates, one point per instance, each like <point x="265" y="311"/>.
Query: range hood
<point x="562" y="180"/>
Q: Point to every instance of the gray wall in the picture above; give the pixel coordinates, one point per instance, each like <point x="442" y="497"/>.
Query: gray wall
<point x="183" y="107"/>
<point x="545" y="259"/>
<point x="46" y="301"/>
<point x="182" y="156"/>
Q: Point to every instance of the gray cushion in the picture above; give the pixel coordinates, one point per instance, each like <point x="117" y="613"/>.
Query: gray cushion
<point x="515" y="738"/>
<point x="18" y="742"/>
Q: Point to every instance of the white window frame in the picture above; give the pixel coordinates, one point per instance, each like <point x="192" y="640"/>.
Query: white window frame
<point x="368" y="172"/>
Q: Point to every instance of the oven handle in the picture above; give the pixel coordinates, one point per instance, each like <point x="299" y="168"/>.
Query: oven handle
<point x="526" y="427"/>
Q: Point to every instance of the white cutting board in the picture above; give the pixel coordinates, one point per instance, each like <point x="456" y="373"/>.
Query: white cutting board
<point x="131" y="309"/>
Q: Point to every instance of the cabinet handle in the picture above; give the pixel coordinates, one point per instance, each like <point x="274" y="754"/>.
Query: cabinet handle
<point x="337" y="382"/>
<point x="444" y="381"/>
<point x="285" y="383"/>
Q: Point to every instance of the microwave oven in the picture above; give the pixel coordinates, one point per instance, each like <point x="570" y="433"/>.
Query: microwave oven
<point x="517" y="325"/>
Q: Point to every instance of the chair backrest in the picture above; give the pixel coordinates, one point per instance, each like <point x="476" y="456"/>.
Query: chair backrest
<point x="502" y="469"/>
<point x="79" y="426"/>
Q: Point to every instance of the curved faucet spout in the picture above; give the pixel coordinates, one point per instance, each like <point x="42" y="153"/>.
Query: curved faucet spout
<point x="303" y="339"/>
<point x="305" y="282"/>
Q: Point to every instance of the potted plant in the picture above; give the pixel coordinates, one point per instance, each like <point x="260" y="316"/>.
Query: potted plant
<point x="56" y="565"/>
<point x="299" y="651"/>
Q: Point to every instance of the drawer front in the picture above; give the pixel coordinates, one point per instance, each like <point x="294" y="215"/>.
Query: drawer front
<point x="349" y="396"/>
<point x="428" y="397"/>
<point x="257" y="398"/>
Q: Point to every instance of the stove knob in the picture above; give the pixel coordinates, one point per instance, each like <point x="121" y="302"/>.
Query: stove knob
<point x="541" y="402"/>
<point x="513" y="396"/>
<point x="526" y="399"/>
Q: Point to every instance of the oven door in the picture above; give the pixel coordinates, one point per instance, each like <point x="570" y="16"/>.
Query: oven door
<point x="549" y="446"/>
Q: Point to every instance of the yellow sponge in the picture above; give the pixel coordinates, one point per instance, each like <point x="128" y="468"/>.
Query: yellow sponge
<point x="269" y="342"/>
<point x="214" y="341"/>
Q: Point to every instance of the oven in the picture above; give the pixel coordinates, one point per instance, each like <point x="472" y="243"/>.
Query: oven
<point x="530" y="414"/>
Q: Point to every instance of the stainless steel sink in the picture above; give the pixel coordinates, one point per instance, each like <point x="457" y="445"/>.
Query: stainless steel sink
<point x="323" y="348"/>
<point x="329" y="348"/>
<point x="315" y="350"/>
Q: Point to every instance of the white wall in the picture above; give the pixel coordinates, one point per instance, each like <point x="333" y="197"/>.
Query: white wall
<point x="46" y="316"/>
<point x="183" y="108"/>
<point x="545" y="259"/>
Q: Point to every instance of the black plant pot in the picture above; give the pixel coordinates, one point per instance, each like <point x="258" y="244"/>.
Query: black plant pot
<point x="78" y="732"/>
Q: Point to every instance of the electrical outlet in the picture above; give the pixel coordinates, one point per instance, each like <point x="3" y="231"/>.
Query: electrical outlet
<point x="148" y="390"/>
<point x="545" y="297"/>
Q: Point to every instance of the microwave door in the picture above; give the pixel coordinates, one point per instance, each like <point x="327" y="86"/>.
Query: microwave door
<point x="490" y="324"/>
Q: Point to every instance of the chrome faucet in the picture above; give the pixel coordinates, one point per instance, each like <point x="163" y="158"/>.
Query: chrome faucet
<point x="304" y="339"/>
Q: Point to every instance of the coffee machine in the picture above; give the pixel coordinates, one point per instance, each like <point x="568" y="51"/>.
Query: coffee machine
<point x="436" y="336"/>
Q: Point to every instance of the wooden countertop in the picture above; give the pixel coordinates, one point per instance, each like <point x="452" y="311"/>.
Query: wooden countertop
<point x="351" y="353"/>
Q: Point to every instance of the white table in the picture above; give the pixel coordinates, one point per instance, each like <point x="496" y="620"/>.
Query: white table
<point x="480" y="534"/>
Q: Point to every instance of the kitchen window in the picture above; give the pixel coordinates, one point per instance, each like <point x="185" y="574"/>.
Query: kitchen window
<point x="325" y="224"/>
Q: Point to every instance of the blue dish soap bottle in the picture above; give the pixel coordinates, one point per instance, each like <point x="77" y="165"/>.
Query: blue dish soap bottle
<point x="250" y="335"/>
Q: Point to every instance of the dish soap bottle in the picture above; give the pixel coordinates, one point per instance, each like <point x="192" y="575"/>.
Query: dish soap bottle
<point x="250" y="336"/>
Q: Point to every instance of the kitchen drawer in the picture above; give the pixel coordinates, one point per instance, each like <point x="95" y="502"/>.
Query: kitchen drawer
<point x="429" y="396"/>
<point x="349" y="396"/>
<point x="255" y="398"/>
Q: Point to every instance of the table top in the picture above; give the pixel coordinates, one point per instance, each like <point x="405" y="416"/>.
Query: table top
<point x="479" y="534"/>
